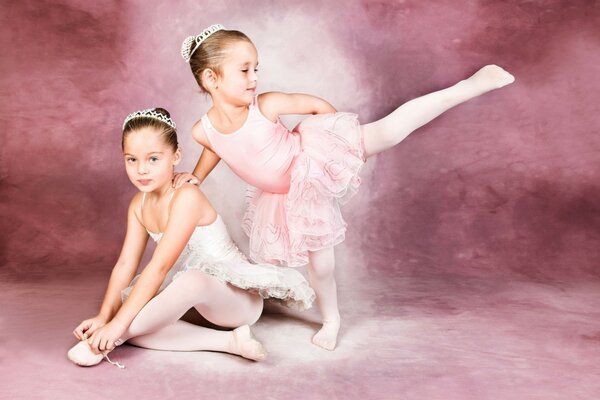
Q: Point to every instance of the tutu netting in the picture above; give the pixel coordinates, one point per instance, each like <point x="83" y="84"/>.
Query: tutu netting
<point x="284" y="227"/>
<point x="212" y="251"/>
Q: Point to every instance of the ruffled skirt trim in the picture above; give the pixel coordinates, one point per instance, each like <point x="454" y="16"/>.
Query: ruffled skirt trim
<point x="283" y="228"/>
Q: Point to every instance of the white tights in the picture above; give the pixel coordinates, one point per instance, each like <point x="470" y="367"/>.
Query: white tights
<point x="157" y="325"/>
<point x="377" y="137"/>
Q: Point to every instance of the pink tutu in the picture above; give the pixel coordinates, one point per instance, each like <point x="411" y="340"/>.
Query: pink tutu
<point x="284" y="227"/>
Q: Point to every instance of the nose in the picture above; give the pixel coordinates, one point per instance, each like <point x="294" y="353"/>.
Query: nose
<point x="142" y="169"/>
<point x="253" y="76"/>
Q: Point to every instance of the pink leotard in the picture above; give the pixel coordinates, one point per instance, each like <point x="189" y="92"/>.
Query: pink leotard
<point x="261" y="152"/>
<point x="298" y="180"/>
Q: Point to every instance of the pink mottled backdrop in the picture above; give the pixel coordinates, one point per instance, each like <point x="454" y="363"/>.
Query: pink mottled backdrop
<point x="504" y="184"/>
<point x="504" y="187"/>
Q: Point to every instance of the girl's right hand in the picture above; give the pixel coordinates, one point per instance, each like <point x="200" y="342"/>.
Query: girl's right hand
<point x="183" y="177"/>
<point x="87" y="328"/>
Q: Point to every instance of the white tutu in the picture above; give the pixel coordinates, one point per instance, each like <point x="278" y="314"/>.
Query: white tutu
<point x="211" y="250"/>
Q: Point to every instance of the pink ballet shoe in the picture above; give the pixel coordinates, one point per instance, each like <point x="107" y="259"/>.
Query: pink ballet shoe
<point x="81" y="354"/>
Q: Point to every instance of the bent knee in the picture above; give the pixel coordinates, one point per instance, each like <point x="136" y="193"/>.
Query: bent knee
<point x="192" y="283"/>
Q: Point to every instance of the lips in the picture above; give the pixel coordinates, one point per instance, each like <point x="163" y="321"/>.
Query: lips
<point x="144" y="182"/>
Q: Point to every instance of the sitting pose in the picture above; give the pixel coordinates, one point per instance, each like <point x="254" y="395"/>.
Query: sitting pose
<point x="195" y="264"/>
<point x="299" y="178"/>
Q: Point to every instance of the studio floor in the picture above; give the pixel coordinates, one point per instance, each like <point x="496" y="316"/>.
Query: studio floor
<point x="411" y="336"/>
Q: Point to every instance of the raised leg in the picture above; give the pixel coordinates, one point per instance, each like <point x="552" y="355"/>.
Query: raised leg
<point x="322" y="279"/>
<point x="392" y="129"/>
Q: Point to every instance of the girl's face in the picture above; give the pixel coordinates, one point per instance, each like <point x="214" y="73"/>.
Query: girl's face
<point x="237" y="82"/>
<point x="149" y="160"/>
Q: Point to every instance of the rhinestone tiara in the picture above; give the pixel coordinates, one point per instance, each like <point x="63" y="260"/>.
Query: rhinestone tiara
<point x="186" y="47"/>
<point x="150" y="113"/>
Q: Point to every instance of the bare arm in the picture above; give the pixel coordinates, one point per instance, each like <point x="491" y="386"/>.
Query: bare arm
<point x="126" y="266"/>
<point x="274" y="104"/>
<point x="122" y="273"/>
<point x="187" y="207"/>
<point x="207" y="162"/>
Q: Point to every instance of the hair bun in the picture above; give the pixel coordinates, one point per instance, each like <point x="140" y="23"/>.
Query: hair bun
<point x="163" y="112"/>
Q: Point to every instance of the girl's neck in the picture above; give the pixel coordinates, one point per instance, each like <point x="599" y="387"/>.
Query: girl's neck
<point x="227" y="113"/>
<point x="162" y="191"/>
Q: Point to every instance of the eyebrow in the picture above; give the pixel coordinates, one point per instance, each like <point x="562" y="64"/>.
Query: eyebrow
<point x="152" y="152"/>
<point x="248" y="63"/>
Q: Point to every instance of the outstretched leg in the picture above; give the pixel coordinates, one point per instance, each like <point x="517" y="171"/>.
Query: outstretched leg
<point x="321" y="275"/>
<point x="392" y="129"/>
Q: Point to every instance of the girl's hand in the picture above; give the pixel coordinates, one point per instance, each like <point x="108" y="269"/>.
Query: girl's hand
<point x="183" y="177"/>
<point x="87" y="328"/>
<point x="105" y="337"/>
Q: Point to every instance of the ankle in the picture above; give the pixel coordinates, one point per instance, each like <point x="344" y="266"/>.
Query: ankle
<point x="232" y="343"/>
<point x="468" y="88"/>
<point x="332" y="319"/>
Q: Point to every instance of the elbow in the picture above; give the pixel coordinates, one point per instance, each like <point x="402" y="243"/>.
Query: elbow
<point x="325" y="108"/>
<point x="159" y="269"/>
<point x="162" y="270"/>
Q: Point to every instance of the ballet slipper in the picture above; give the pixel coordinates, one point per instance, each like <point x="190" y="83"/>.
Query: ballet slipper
<point x="82" y="355"/>
<point x="246" y="344"/>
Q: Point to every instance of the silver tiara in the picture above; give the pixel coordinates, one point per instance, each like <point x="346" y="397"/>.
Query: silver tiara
<point x="186" y="47"/>
<point x="150" y="113"/>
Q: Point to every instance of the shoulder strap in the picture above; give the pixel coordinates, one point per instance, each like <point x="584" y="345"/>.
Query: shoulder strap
<point x="169" y="204"/>
<point x="142" y="207"/>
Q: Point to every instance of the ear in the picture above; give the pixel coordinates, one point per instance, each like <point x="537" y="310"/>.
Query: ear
<point x="210" y="78"/>
<point x="177" y="157"/>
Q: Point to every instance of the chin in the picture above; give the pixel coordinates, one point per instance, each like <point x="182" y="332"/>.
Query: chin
<point x="248" y="99"/>
<point x="243" y="101"/>
<point x="144" y="188"/>
<point x="141" y="188"/>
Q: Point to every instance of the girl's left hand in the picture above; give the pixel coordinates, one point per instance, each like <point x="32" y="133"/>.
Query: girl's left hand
<point x="105" y="337"/>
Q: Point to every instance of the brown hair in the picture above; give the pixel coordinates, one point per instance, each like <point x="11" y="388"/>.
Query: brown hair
<point x="168" y="133"/>
<point x="211" y="53"/>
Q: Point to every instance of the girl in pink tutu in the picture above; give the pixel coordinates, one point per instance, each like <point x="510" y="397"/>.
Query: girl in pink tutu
<point x="298" y="178"/>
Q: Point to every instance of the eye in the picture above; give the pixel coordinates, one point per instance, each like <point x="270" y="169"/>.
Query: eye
<point x="130" y="160"/>
<point x="245" y="70"/>
<point x="255" y="69"/>
<point x="153" y="159"/>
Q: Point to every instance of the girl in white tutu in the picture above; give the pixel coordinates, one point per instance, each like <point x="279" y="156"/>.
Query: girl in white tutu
<point x="299" y="178"/>
<point x="195" y="264"/>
